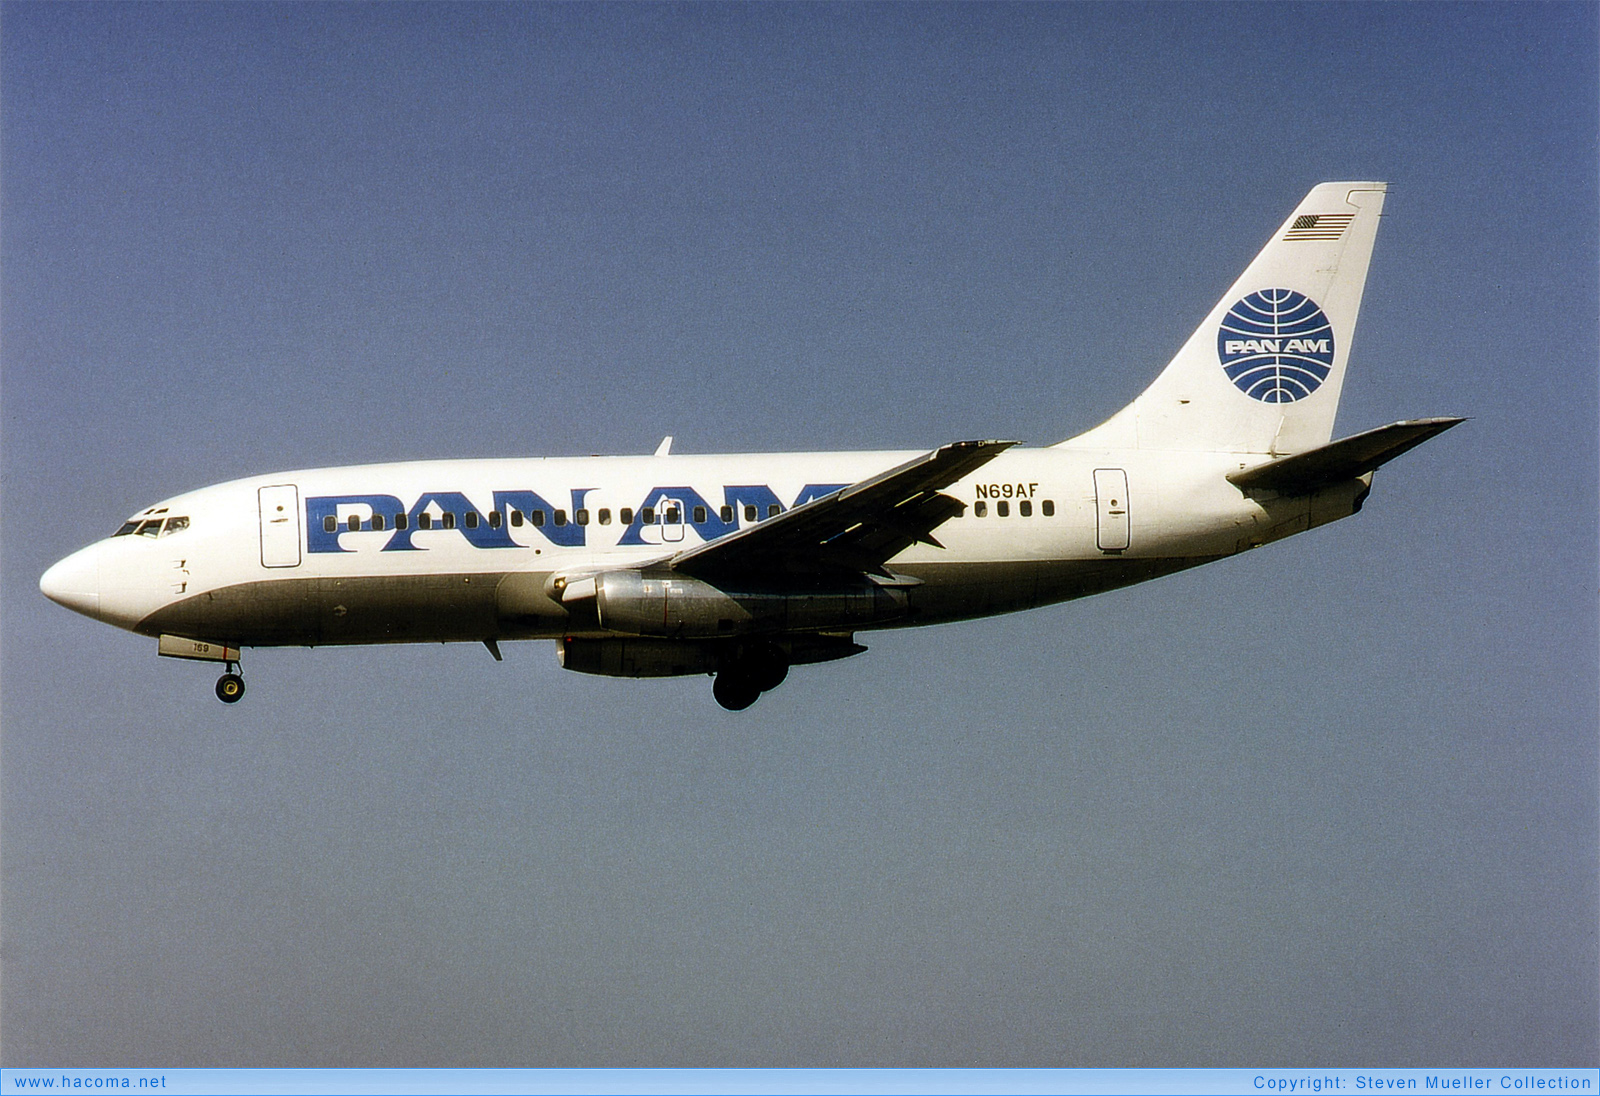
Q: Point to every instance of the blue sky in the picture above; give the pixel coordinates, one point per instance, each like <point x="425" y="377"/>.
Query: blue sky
<point x="1332" y="802"/>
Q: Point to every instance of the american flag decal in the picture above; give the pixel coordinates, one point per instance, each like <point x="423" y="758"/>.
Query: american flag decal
<point x="1319" y="226"/>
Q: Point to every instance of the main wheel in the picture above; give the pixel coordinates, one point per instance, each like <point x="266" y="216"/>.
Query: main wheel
<point x="735" y="692"/>
<point x="230" y="688"/>
<point x="767" y="668"/>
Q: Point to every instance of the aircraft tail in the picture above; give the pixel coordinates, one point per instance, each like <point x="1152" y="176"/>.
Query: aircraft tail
<point x="1263" y="373"/>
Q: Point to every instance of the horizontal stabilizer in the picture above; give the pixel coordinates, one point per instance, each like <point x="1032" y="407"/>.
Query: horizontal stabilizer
<point x="1341" y="460"/>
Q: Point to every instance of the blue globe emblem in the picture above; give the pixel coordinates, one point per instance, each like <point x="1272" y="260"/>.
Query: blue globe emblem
<point x="1276" y="345"/>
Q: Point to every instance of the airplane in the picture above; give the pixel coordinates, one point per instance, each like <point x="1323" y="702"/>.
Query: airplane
<point x="742" y="566"/>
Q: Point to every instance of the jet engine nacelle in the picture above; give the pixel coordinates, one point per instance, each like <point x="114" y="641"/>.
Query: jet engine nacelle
<point x="679" y="607"/>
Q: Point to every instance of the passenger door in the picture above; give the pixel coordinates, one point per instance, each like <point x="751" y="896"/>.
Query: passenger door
<point x="1112" y="531"/>
<point x="280" y="525"/>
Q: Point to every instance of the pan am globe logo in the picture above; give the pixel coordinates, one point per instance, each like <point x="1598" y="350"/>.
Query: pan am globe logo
<point x="1276" y="346"/>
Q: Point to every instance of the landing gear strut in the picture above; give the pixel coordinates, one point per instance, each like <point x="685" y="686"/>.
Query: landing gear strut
<point x="230" y="686"/>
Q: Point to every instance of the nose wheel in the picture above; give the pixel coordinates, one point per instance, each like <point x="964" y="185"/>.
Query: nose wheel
<point x="230" y="686"/>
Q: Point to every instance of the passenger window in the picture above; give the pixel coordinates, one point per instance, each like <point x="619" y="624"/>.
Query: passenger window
<point x="471" y="518"/>
<point x="726" y="514"/>
<point x="494" y="520"/>
<point x="424" y="520"/>
<point x="330" y="523"/>
<point x="605" y="516"/>
<point x="1025" y="508"/>
<point x="626" y="515"/>
<point x="377" y="522"/>
<point x="127" y="527"/>
<point x="699" y="515"/>
<point x="980" y="509"/>
<point x="773" y="510"/>
<point x="353" y="524"/>
<point x="401" y="521"/>
<point x="537" y="517"/>
<point x="1048" y="506"/>
<point x="581" y="516"/>
<point x="647" y="516"/>
<point x="674" y="515"/>
<point x="749" y="513"/>
<point x="1002" y="509"/>
<point x="561" y="517"/>
<point x="449" y="519"/>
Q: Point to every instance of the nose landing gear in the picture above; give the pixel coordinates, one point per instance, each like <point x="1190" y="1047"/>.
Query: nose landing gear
<point x="230" y="686"/>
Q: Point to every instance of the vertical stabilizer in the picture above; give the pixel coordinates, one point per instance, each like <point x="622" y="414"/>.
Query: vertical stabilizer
<point x="1264" y="371"/>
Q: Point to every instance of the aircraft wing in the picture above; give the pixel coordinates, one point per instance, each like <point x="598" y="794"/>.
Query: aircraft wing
<point x="856" y="529"/>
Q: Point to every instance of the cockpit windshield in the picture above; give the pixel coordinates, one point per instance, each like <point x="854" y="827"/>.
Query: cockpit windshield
<point x="152" y="527"/>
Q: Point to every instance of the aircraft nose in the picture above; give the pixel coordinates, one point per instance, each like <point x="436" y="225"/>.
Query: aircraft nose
<point x="75" y="582"/>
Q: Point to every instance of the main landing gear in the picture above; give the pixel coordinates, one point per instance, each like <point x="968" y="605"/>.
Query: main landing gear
<point x="752" y="672"/>
<point x="230" y="686"/>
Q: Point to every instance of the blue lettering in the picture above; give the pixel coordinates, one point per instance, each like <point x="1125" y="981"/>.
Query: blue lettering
<point x="457" y="506"/>
<point x="322" y="507"/>
<point x="570" y="535"/>
<point x="453" y="510"/>
<point x="686" y="497"/>
<point x="737" y="496"/>
<point x="758" y="495"/>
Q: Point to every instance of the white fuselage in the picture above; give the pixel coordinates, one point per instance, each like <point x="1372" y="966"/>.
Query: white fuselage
<point x="339" y="555"/>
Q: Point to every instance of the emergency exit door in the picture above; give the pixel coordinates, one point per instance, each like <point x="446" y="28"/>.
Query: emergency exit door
<point x="1111" y="509"/>
<point x="670" y="512"/>
<point x="280" y="525"/>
